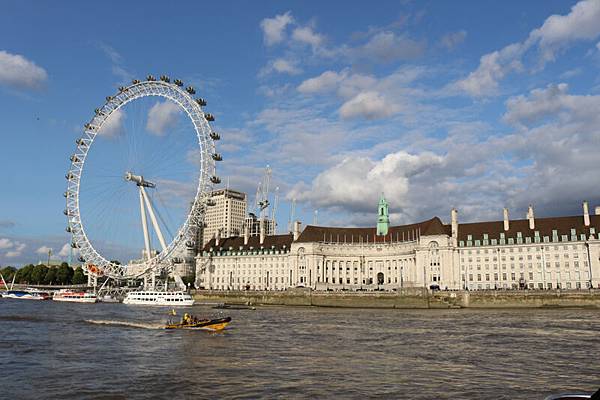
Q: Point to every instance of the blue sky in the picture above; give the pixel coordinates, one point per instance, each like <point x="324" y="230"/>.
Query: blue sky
<point x="474" y="105"/>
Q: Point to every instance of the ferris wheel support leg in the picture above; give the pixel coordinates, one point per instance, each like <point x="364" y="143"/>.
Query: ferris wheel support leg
<point x="92" y="281"/>
<point x="145" y="225"/>
<point x="161" y="238"/>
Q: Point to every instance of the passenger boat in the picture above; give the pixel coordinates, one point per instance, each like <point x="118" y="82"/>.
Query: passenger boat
<point x="26" y="295"/>
<point x="74" y="296"/>
<point x="109" y="299"/>
<point x="150" y="298"/>
<point x="203" y="324"/>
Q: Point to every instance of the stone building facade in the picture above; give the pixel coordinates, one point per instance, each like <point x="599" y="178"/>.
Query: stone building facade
<point x="542" y="253"/>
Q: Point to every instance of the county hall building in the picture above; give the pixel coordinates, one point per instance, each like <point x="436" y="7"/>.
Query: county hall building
<point x="532" y="253"/>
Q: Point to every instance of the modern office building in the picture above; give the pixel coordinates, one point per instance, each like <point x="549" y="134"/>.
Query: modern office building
<point x="225" y="215"/>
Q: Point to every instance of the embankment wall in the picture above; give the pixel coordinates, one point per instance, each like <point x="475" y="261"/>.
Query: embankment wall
<point x="413" y="298"/>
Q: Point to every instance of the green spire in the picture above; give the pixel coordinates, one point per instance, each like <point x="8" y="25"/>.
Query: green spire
<point x="383" y="217"/>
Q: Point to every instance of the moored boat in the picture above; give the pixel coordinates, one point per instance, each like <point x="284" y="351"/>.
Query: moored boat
<point x="74" y="296"/>
<point x="151" y="298"/>
<point x="25" y="295"/>
<point x="109" y="299"/>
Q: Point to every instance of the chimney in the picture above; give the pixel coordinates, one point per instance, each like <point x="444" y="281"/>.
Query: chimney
<point x="296" y="230"/>
<point x="530" y="217"/>
<point x="506" y="226"/>
<point x="217" y="238"/>
<point x="597" y="210"/>
<point x="454" y="218"/>
<point x="262" y="230"/>
<point x="586" y="214"/>
<point x="246" y="234"/>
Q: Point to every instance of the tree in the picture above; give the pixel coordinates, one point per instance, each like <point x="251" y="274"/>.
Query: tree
<point x="50" y="277"/>
<point x="38" y="273"/>
<point x="24" y="274"/>
<point x="64" y="274"/>
<point x="78" y="277"/>
<point x="8" y="273"/>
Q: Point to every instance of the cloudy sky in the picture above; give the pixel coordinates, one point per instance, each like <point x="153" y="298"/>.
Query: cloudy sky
<point x="474" y="105"/>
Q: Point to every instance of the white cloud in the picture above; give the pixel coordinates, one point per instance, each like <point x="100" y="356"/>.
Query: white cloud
<point x="571" y="73"/>
<point x="306" y="35"/>
<point x="555" y="34"/>
<point x="366" y="95"/>
<point x="285" y="66"/>
<point x="113" y="126"/>
<point x="111" y="53"/>
<point x="13" y="248"/>
<point x="451" y="40"/>
<point x="176" y="193"/>
<point x="355" y="183"/>
<point x="493" y="67"/>
<point x="552" y="102"/>
<point x="274" y="28"/>
<point x="162" y="117"/>
<point x="65" y="250"/>
<point x="6" y="243"/>
<point x="43" y="250"/>
<point x="282" y="66"/>
<point x="327" y="81"/>
<point x="370" y="105"/>
<point x="582" y="23"/>
<point x="387" y="47"/>
<point x="19" y="72"/>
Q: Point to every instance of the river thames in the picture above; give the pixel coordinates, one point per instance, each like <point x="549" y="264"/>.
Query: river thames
<point x="113" y="351"/>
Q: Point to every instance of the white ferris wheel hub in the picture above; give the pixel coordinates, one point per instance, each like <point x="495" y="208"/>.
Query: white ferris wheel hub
<point x="139" y="180"/>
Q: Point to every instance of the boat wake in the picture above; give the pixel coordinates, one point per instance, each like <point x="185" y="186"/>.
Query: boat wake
<point x="125" y="323"/>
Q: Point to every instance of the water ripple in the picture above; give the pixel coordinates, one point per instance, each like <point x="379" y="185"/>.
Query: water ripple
<point x="111" y="351"/>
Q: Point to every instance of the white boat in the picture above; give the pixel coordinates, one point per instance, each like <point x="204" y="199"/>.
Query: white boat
<point x="150" y="298"/>
<point x="25" y="295"/>
<point x="109" y="299"/>
<point x="74" y="296"/>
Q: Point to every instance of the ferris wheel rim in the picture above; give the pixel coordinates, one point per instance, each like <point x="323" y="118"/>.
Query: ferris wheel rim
<point x="204" y="134"/>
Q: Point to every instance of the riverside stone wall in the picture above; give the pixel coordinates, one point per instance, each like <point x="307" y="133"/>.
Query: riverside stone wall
<point x="407" y="298"/>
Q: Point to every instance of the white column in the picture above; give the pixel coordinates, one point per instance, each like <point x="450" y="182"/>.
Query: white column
<point x="161" y="239"/>
<point x="145" y="225"/>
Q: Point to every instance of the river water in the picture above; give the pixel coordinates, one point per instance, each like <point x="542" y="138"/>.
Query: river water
<point x="113" y="351"/>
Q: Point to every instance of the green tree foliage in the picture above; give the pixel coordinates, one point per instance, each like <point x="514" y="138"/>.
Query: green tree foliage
<point x="8" y="273"/>
<point x="64" y="274"/>
<point x="38" y="274"/>
<point x="78" y="277"/>
<point x="24" y="274"/>
<point x="50" y="277"/>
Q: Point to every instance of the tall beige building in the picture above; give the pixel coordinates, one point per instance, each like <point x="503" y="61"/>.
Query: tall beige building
<point x="225" y="216"/>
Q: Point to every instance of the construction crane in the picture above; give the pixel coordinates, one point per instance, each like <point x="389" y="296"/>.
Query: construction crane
<point x="262" y="194"/>
<point x="292" y="215"/>
<point x="274" y="210"/>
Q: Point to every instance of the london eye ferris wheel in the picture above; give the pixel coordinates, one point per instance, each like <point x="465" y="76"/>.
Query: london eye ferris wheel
<point x="139" y="179"/>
